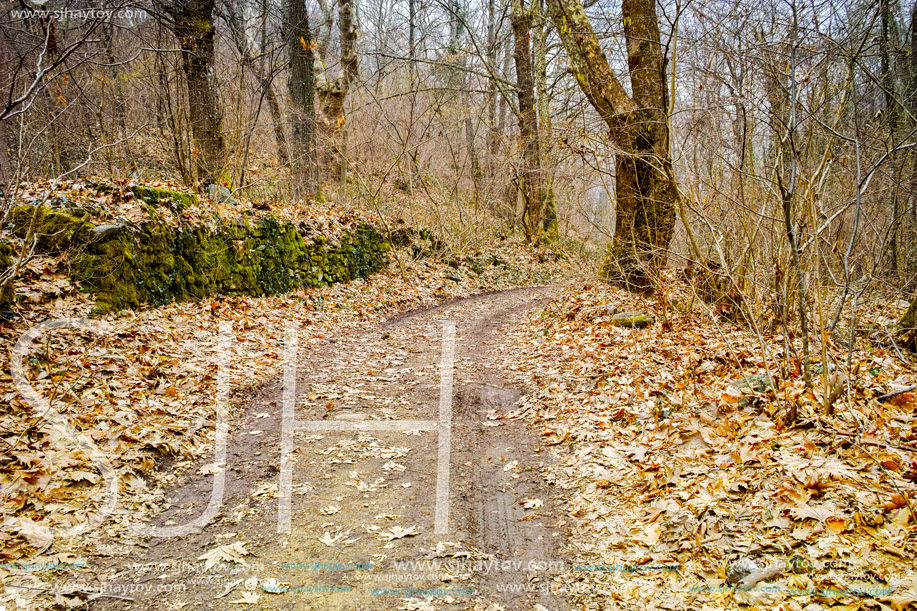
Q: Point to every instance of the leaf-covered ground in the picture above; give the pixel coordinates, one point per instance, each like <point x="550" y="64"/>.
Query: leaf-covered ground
<point x="129" y="201"/>
<point x="682" y="486"/>
<point x="142" y="385"/>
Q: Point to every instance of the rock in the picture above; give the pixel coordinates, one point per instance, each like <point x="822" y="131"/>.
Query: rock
<point x="603" y="310"/>
<point x="758" y="382"/>
<point x="103" y="232"/>
<point x="740" y="569"/>
<point x="632" y="320"/>
<point x="221" y="194"/>
<point x="7" y="290"/>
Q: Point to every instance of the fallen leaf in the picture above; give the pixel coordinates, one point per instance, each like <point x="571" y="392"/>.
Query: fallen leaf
<point x="232" y="552"/>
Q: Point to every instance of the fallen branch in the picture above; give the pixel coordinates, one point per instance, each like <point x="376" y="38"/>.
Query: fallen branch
<point x="895" y="393"/>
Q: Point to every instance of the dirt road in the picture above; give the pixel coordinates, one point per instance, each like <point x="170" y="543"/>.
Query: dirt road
<point x="363" y="509"/>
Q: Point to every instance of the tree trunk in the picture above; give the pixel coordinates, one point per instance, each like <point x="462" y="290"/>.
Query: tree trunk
<point x="891" y="120"/>
<point x="115" y="102"/>
<point x="273" y="104"/>
<point x="645" y="188"/>
<point x="193" y="26"/>
<point x="412" y="41"/>
<point x="528" y="177"/>
<point x="328" y="130"/>
<point x="258" y="69"/>
<point x="323" y="40"/>
<point x="493" y="137"/>
<point x="276" y="119"/>
<point x="332" y="95"/>
<point x="510" y="195"/>
<point x="350" y="66"/>
<point x="540" y="34"/>
<point x="909" y="326"/>
<point x="477" y="174"/>
<point x="302" y="95"/>
<point x="6" y="173"/>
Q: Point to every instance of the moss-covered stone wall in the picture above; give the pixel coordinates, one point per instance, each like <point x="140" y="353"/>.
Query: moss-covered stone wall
<point x="155" y="263"/>
<point x="7" y="291"/>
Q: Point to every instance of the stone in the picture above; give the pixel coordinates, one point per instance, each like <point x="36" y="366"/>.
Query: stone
<point x="103" y="232"/>
<point x="221" y="194"/>
<point x="603" y="310"/>
<point x="632" y="320"/>
<point x="758" y="382"/>
<point x="740" y="569"/>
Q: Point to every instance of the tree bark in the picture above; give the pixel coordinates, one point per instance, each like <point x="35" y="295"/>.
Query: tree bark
<point x="351" y="67"/>
<point x="6" y="174"/>
<point x="909" y="326"/>
<point x="265" y="78"/>
<point x="192" y="24"/>
<point x="645" y="188"/>
<point x="257" y="67"/>
<point x="302" y="94"/>
<point x="540" y="34"/>
<point x="332" y="128"/>
<point x="528" y="177"/>
<point x="493" y="138"/>
<point x="323" y="40"/>
<point x="891" y="120"/>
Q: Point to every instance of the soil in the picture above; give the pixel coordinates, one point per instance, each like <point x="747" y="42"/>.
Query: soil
<point x="360" y="494"/>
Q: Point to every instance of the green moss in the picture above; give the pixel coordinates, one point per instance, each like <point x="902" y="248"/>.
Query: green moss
<point x="7" y="292"/>
<point x="156" y="263"/>
<point x="908" y="326"/>
<point x="155" y="196"/>
<point x="160" y="264"/>
<point x="53" y="230"/>
<point x="631" y="320"/>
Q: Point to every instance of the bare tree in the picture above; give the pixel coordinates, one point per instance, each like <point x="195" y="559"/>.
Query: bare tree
<point x="302" y="93"/>
<point x="192" y="22"/>
<point x="528" y="178"/>
<point x="645" y="187"/>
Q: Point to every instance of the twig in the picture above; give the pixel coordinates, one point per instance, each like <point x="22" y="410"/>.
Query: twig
<point x="897" y="349"/>
<point x="89" y="592"/>
<point x="895" y="393"/>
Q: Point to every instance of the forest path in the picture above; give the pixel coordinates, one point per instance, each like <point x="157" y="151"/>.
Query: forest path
<point x="359" y="495"/>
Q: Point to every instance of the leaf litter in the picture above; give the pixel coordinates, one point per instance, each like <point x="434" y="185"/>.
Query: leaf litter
<point x="671" y="470"/>
<point x="142" y="386"/>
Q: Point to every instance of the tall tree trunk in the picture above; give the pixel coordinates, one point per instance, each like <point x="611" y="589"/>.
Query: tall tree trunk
<point x="350" y="66"/>
<point x="276" y="119"/>
<point x="412" y="40"/>
<point x="645" y="188"/>
<point x="891" y="121"/>
<point x="323" y="40"/>
<point x="270" y="96"/>
<point x="6" y="173"/>
<point x="510" y="193"/>
<point x="259" y="70"/>
<point x="302" y="94"/>
<point x="528" y="177"/>
<point x="115" y="102"/>
<point x="493" y="137"/>
<point x="477" y="174"/>
<point x="540" y="33"/>
<point x="332" y="95"/>
<point x="192" y="24"/>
